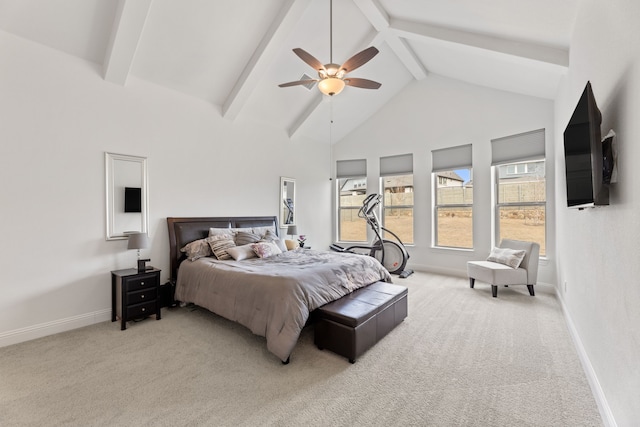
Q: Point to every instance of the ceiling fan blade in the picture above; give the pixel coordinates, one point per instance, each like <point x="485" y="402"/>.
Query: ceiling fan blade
<point x="359" y="59"/>
<point x="362" y="83"/>
<point x="309" y="59"/>
<point x="298" y="82"/>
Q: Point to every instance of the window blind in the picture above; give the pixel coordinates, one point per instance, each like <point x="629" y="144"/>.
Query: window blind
<point x="351" y="168"/>
<point x="520" y="147"/>
<point x="396" y="165"/>
<point x="446" y="159"/>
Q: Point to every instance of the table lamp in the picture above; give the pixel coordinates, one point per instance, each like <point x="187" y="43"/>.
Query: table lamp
<point x="292" y="230"/>
<point x="139" y="241"/>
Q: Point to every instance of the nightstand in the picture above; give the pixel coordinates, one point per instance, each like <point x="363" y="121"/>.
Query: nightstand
<point x="134" y="295"/>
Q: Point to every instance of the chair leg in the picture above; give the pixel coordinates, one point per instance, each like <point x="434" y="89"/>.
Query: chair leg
<point x="494" y="291"/>
<point x="471" y="282"/>
<point x="531" y="291"/>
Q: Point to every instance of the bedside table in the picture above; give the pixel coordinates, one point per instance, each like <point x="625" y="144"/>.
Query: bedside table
<point x="134" y="295"/>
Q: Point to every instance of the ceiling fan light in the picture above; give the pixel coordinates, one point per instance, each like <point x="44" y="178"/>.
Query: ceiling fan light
<point x="331" y="86"/>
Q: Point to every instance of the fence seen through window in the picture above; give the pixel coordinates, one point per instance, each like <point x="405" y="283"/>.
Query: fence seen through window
<point x="453" y="218"/>
<point x="521" y="210"/>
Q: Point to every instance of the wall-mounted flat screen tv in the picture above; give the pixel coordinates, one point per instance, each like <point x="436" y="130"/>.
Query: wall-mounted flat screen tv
<point x="132" y="199"/>
<point x="583" y="155"/>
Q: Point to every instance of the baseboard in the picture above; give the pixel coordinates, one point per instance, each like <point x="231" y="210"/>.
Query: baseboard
<point x="596" y="389"/>
<point x="49" y="328"/>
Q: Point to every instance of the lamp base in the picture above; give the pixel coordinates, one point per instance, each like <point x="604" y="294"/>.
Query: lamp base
<point x="142" y="265"/>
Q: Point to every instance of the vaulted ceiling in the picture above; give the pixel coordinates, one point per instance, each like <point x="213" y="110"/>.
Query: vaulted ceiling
<point x="234" y="53"/>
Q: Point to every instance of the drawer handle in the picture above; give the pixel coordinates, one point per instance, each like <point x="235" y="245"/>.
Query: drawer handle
<point x="144" y="309"/>
<point x="142" y="296"/>
<point x="141" y="283"/>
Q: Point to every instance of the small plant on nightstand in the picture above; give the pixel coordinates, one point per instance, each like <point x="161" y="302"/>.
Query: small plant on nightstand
<point x="301" y="239"/>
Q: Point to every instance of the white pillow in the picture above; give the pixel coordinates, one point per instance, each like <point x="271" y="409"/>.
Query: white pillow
<point x="506" y="256"/>
<point x="271" y="236"/>
<point x="241" y="252"/>
<point x="266" y="249"/>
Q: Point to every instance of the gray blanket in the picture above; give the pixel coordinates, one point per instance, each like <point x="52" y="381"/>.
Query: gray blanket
<point x="274" y="296"/>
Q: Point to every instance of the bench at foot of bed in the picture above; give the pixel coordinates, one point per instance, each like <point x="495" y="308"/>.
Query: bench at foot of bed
<point x="354" y="323"/>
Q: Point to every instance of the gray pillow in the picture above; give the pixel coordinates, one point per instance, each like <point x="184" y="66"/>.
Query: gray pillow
<point x="245" y="238"/>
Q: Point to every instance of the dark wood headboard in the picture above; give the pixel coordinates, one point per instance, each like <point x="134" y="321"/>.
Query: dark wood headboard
<point x="185" y="230"/>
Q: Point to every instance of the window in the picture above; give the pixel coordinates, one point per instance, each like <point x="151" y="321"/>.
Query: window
<point x="397" y="211"/>
<point x="519" y="169"/>
<point x="453" y="197"/>
<point x="396" y="184"/>
<point x="453" y="216"/>
<point x="351" y="191"/>
<point x="521" y="209"/>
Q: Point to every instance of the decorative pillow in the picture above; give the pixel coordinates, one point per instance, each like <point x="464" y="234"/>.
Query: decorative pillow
<point x="266" y="249"/>
<point x="245" y="238"/>
<point x="197" y="249"/>
<point x="509" y="257"/>
<point x="291" y="244"/>
<point x="219" y="246"/>
<point x="271" y="236"/>
<point x="241" y="252"/>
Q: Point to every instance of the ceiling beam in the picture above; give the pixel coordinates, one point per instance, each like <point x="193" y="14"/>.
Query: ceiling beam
<point x="380" y="20"/>
<point x="125" y="36"/>
<point x="264" y="54"/>
<point x="417" y="31"/>
<point x="306" y="113"/>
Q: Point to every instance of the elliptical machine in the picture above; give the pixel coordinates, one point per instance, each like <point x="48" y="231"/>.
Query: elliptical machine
<point x="392" y="255"/>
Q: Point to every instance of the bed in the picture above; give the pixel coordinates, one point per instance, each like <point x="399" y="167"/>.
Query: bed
<point x="274" y="295"/>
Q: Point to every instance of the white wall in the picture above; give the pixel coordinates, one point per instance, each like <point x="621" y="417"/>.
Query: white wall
<point x="436" y="113"/>
<point x="598" y="251"/>
<point x="57" y="118"/>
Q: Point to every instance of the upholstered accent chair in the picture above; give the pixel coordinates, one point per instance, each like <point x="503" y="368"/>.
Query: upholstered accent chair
<point x="514" y="263"/>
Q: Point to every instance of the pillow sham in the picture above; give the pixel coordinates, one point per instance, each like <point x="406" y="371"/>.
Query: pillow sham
<point x="241" y="252"/>
<point x="506" y="256"/>
<point x="197" y="249"/>
<point x="266" y="249"/>
<point x="221" y="232"/>
<point x="219" y="246"/>
<point x="245" y="238"/>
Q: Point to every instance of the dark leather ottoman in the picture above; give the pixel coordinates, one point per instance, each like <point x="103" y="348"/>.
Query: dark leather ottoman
<point x="354" y="323"/>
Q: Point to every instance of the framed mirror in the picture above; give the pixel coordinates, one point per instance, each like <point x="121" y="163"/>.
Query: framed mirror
<point x="287" y="201"/>
<point x="126" y="195"/>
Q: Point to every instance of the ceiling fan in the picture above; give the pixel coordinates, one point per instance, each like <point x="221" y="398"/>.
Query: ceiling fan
<point x="332" y="77"/>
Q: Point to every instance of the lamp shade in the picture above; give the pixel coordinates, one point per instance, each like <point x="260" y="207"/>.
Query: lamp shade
<point x="292" y="230"/>
<point x="138" y="241"/>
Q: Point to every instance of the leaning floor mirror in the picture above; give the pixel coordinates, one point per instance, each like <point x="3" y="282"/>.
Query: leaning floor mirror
<point x="126" y="195"/>
<point x="287" y="201"/>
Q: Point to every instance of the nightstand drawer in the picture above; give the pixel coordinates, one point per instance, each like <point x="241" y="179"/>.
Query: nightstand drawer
<point x="142" y="296"/>
<point x="141" y="310"/>
<point x="141" y="282"/>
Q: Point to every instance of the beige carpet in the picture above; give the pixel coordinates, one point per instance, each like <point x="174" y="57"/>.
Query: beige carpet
<point x="461" y="358"/>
